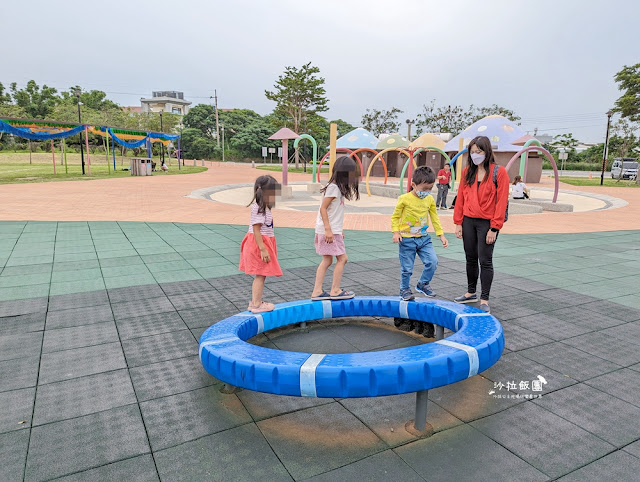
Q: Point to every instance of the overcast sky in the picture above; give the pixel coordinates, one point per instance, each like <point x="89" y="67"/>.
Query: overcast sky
<point x="552" y="62"/>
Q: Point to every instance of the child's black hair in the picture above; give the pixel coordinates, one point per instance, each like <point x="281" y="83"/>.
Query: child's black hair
<point x="341" y="178"/>
<point x="423" y="175"/>
<point x="262" y="184"/>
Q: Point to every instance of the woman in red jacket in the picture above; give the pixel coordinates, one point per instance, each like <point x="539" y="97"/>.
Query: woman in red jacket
<point x="479" y="214"/>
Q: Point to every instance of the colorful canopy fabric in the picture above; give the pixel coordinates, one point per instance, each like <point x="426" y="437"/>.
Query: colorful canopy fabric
<point x="39" y="132"/>
<point x="501" y="131"/>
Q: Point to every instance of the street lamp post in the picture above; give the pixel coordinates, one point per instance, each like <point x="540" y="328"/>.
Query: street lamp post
<point x="222" y="127"/>
<point x="77" y="92"/>
<point x="409" y="122"/>
<point x="161" y="144"/>
<point x="605" y="152"/>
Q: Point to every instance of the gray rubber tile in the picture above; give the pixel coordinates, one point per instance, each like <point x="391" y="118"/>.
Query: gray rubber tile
<point x="138" y="469"/>
<point x="197" y="333"/>
<point x="550" y="327"/>
<point x="199" y="300"/>
<point x="629" y="332"/>
<point x="169" y="378"/>
<point x="18" y="373"/>
<point x="205" y="317"/>
<point x="387" y="416"/>
<point x="434" y="458"/>
<point x="17" y="406"/>
<point x="313" y="339"/>
<point x="266" y="405"/>
<point x="184" y="287"/>
<point x="633" y="449"/>
<point x="585" y="318"/>
<point x="512" y="367"/>
<point x="507" y="310"/>
<point x="367" y="336"/>
<point x="23" y="307"/>
<point x="121" y="295"/>
<point x="156" y="348"/>
<point x="20" y="346"/>
<point x="568" y="298"/>
<point x="569" y="361"/>
<point x="337" y="439"/>
<point x="383" y="466"/>
<point x="607" y="347"/>
<point x="610" y="418"/>
<point x="520" y="338"/>
<point x="241" y="453"/>
<point x="614" y="310"/>
<point x="13" y="447"/>
<point x="85" y="442"/>
<point x="12" y="325"/>
<point x="79" y="336"/>
<point x="79" y="316"/>
<point x="555" y="446"/>
<point x="148" y="306"/>
<point x="470" y="399"/>
<point x="622" y="384"/>
<point x="149" y="325"/>
<point x="79" y="362"/>
<point x="616" y="466"/>
<point x="83" y="396"/>
<point x="187" y="416"/>
<point x="78" y="300"/>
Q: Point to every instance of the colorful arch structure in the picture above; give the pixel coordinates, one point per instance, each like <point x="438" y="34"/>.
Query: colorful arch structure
<point x="314" y="145"/>
<point x="409" y="164"/>
<point x="548" y="155"/>
<point x="379" y="156"/>
<point x="351" y="153"/>
<point x="524" y="158"/>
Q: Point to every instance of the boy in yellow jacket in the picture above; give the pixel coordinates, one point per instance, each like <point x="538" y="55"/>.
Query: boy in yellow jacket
<point x="409" y="223"/>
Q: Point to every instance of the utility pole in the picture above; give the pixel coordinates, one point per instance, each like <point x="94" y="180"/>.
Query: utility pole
<point x="222" y="142"/>
<point x="215" y="97"/>
<point x="77" y="93"/>
<point x="605" y="152"/>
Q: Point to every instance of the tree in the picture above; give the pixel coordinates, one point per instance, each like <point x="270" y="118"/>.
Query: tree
<point x="235" y="120"/>
<point x="343" y="126"/>
<point x="5" y="97"/>
<point x="381" y="121"/>
<point x="299" y="92"/>
<point x="565" y="143"/>
<point x="455" y="118"/>
<point x="477" y="113"/>
<point x="203" y="118"/>
<point x="628" y="104"/>
<point x="251" y="138"/>
<point x="626" y="131"/>
<point x="37" y="103"/>
<point x="93" y="99"/>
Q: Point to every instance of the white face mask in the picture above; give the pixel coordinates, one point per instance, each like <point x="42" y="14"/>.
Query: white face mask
<point x="477" y="158"/>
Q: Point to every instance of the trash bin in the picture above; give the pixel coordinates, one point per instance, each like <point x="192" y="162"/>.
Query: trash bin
<point x="149" y="168"/>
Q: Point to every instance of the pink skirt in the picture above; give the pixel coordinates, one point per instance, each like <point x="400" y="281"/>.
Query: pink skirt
<point x="251" y="261"/>
<point x="330" y="249"/>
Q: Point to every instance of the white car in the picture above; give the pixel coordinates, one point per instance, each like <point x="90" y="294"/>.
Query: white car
<point x="628" y="166"/>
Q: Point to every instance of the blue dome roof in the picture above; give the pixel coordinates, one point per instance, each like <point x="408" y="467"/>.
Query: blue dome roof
<point x="356" y="139"/>
<point x="501" y="131"/>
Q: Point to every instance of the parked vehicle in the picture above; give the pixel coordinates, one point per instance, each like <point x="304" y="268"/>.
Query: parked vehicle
<point x="628" y="166"/>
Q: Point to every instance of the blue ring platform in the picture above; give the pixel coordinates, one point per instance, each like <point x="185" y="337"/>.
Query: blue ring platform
<point x="477" y="344"/>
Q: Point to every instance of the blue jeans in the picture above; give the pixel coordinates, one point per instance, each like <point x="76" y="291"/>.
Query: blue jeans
<point x="408" y="249"/>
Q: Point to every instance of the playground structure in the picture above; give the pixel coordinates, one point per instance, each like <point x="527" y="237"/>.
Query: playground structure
<point x="42" y="130"/>
<point x="475" y="346"/>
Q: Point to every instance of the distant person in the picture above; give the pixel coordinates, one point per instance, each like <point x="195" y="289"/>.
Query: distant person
<point x="519" y="189"/>
<point x="444" y="177"/>
<point x="164" y="167"/>
<point x="483" y="196"/>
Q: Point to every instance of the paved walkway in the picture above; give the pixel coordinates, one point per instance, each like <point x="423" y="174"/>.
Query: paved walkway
<point x="163" y="199"/>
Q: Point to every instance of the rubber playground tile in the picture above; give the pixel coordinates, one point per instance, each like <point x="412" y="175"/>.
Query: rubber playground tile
<point x="615" y="310"/>
<point x="387" y="416"/>
<point x="79" y="336"/>
<point x="219" y="271"/>
<point x="190" y="256"/>
<point x="208" y="262"/>
<point x="27" y="270"/>
<point x="140" y="469"/>
<point x="146" y="306"/>
<point x="237" y="454"/>
<point x="74" y="265"/>
<point x="367" y="336"/>
<point x="188" y="416"/>
<point x="599" y="413"/>
<point x="24" y="292"/>
<point x="73" y="257"/>
<point x="169" y="378"/>
<point x="13" y="325"/>
<point x="629" y="332"/>
<point x="80" y="443"/>
<point x="622" y="384"/>
<point x="313" y="339"/>
<point x="607" y="347"/>
<point x="615" y="466"/>
<point x="630" y="300"/>
<point x="550" y="327"/>
<point x="554" y="446"/>
<point x="79" y="362"/>
<point x="23" y="306"/>
<point x="160" y="258"/>
<point x="432" y="457"/>
<point x="77" y="275"/>
<point x="584" y="318"/>
<point x="177" y="276"/>
<point x="129" y="281"/>
<point x="118" y="271"/>
<point x="18" y="373"/>
<point x="119" y="295"/>
<point x="78" y="300"/>
<point x="125" y="261"/>
<point x="146" y="251"/>
<point x="147" y="325"/>
<point x="161" y="266"/>
<point x="83" y="396"/>
<point x="79" y="316"/>
<point x="116" y="253"/>
<point x="82" y="286"/>
<point x="205" y="317"/>
<point x="155" y="348"/>
<point x="202" y="299"/>
<point x="184" y="287"/>
<point x="372" y="468"/>
<point x="518" y="338"/>
<point x="633" y="449"/>
<point x="338" y="438"/>
<point x="13" y="447"/>
<point x="17" y="407"/>
<point x="20" y="345"/>
<point x="74" y="248"/>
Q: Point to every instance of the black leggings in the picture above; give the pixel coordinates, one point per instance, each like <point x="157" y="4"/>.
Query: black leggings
<point x="474" y="239"/>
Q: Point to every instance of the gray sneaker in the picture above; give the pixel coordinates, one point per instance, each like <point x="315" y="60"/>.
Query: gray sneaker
<point x="485" y="307"/>
<point x="407" y="295"/>
<point x="466" y="299"/>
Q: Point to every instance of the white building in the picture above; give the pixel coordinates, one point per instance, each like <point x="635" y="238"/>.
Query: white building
<point x="166" y="101"/>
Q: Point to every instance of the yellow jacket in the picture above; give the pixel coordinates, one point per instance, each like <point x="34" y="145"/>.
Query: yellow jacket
<point x="411" y="216"/>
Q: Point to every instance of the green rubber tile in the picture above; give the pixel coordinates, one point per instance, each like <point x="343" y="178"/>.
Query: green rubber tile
<point x="77" y="275"/>
<point x="164" y="266"/>
<point x="173" y="276"/>
<point x="217" y="271"/>
<point x="117" y="271"/>
<point x="294" y="263"/>
<point x="71" y="257"/>
<point x="126" y="261"/>
<point x="129" y="280"/>
<point x="155" y="251"/>
<point x="118" y="253"/>
<point x="208" y="262"/>
<point x="160" y="258"/>
<point x="24" y="280"/>
<point x="24" y="292"/>
<point x="69" y="287"/>
<point x="75" y="265"/>
<point x="84" y="248"/>
<point x="28" y="260"/>
<point x="628" y="300"/>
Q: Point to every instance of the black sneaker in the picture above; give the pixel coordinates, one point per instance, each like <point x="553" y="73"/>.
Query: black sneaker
<point x="407" y="295"/>
<point x="466" y="299"/>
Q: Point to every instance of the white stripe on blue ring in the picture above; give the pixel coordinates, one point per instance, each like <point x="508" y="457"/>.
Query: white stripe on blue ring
<point x="404" y="309"/>
<point x="462" y="315"/>
<point x="472" y="353"/>
<point x="260" y="321"/>
<point x="308" y="375"/>
<point x="215" y="342"/>
<point x="327" y="311"/>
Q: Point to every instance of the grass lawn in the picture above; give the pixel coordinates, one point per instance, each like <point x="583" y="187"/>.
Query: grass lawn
<point x="608" y="182"/>
<point x="15" y="168"/>
<point x="278" y="168"/>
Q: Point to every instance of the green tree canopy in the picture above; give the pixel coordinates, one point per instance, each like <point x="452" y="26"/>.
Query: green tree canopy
<point x="203" y="118"/>
<point x="343" y="126"/>
<point x="38" y="103"/>
<point x="456" y="118"/>
<point x="628" y="104"/>
<point x="381" y="121"/>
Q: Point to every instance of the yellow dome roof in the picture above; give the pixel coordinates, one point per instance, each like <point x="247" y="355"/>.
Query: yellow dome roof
<point x="427" y="140"/>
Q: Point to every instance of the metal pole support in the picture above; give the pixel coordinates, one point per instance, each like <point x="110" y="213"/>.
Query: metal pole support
<point x="420" y="423"/>
<point x="439" y="332"/>
<point x="303" y="325"/>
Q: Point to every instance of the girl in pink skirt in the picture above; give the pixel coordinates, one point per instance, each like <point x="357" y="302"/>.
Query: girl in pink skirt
<point x="329" y="240"/>
<point x="258" y="251"/>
